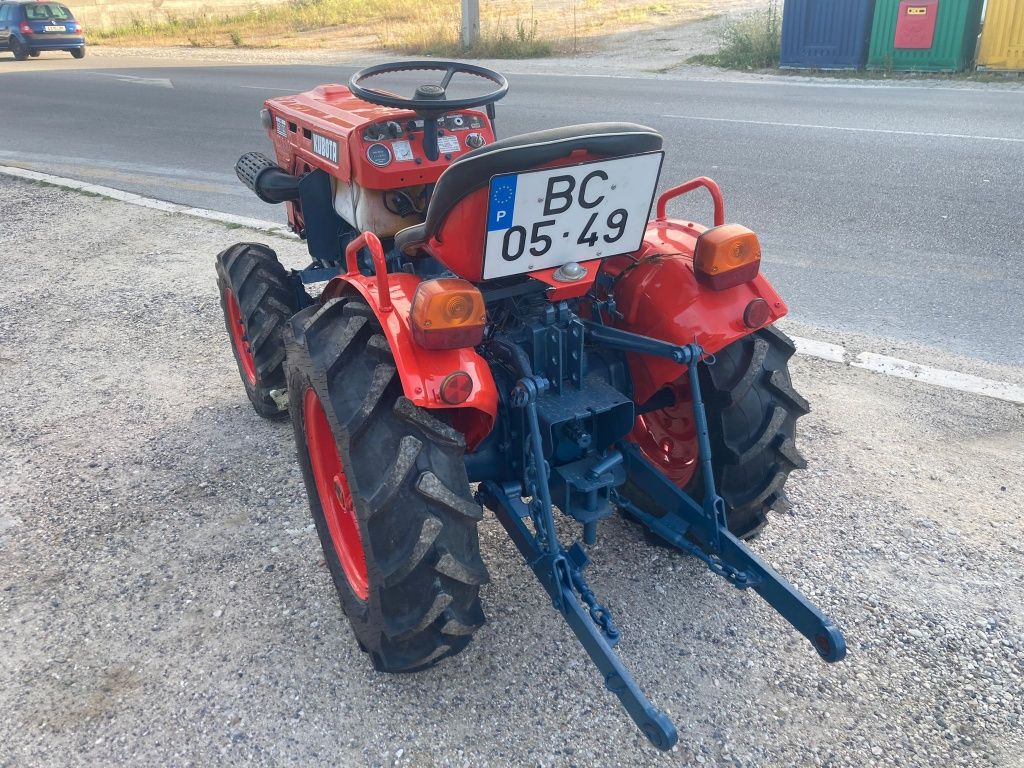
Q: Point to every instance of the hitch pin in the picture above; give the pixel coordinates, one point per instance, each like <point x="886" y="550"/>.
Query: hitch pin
<point x="606" y="464"/>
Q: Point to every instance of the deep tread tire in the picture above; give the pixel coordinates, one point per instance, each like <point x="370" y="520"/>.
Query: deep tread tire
<point x="407" y="476"/>
<point x="752" y="410"/>
<point x="266" y="299"/>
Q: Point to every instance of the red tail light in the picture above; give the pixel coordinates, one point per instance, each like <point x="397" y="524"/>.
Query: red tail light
<point x="456" y="388"/>
<point x="24" y="28"/>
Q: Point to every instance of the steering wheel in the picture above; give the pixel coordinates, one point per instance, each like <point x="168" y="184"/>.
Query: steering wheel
<point x="429" y="101"/>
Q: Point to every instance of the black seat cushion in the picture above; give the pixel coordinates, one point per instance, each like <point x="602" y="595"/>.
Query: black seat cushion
<point x="410" y="239"/>
<point x="518" y="153"/>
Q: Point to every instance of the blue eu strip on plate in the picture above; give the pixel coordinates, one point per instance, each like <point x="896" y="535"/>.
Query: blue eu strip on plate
<point x="502" y="203"/>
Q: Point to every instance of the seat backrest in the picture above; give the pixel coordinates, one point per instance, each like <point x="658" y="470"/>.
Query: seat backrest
<point x="474" y="170"/>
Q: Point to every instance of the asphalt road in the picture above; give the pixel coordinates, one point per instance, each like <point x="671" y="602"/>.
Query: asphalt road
<point x="888" y="211"/>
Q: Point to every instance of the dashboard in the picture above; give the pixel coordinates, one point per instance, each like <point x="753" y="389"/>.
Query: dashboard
<point x="400" y="141"/>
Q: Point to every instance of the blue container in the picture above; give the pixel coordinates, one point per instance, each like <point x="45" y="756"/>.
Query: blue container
<point x="826" y="34"/>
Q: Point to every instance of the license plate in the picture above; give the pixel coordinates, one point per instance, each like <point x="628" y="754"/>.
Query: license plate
<point x="542" y="219"/>
<point x="54" y="28"/>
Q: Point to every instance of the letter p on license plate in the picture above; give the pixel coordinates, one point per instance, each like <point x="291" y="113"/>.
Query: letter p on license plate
<point x="546" y="218"/>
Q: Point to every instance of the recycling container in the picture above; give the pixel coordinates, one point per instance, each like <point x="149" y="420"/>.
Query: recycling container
<point x="1002" y="36"/>
<point x="924" y="35"/>
<point x="826" y="34"/>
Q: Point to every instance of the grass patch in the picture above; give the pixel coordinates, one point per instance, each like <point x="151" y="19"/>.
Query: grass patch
<point x="499" y="40"/>
<point x="750" y="42"/>
<point x="509" y="28"/>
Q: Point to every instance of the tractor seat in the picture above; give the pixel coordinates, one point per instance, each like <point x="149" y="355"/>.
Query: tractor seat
<point x="474" y="170"/>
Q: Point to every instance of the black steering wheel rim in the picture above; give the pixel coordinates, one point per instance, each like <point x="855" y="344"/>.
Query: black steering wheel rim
<point x="427" y="107"/>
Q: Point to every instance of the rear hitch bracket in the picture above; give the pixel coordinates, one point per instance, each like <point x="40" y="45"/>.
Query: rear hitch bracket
<point x="700" y="530"/>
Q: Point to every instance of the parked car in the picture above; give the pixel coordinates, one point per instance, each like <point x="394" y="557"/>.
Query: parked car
<point x="27" y="28"/>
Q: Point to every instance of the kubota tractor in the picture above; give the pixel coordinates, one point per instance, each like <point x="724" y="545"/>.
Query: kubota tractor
<point x="503" y="313"/>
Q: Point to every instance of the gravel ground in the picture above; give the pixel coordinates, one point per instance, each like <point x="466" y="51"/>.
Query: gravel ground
<point x="163" y="600"/>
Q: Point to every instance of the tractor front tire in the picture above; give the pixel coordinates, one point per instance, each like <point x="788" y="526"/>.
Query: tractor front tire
<point x="257" y="297"/>
<point x="752" y="410"/>
<point x="388" y="491"/>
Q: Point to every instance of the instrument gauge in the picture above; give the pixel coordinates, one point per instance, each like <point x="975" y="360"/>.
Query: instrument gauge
<point x="379" y="155"/>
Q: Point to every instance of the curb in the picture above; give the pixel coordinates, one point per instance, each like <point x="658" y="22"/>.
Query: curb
<point x="270" y="227"/>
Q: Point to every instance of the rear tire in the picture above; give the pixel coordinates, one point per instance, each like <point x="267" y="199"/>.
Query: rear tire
<point x="19" y="49"/>
<point x="257" y="298"/>
<point x="34" y="54"/>
<point x="78" y="53"/>
<point x="405" y="476"/>
<point x="752" y="410"/>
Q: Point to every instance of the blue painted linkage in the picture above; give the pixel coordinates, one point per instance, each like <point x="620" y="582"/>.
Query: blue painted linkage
<point x="698" y="529"/>
<point x="561" y="572"/>
<point x="556" y="572"/>
<point x="702" y="531"/>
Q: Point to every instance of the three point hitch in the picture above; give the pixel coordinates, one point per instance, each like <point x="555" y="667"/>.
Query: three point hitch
<point x="698" y="529"/>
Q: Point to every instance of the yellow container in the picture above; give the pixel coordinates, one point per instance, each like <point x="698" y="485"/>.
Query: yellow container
<point x="1002" y="36"/>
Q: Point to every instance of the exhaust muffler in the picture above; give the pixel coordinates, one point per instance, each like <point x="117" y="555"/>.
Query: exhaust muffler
<point x="268" y="180"/>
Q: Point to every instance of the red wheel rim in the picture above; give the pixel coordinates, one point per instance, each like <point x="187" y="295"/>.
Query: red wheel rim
<point x="335" y="496"/>
<point x="239" y="340"/>
<point x="668" y="437"/>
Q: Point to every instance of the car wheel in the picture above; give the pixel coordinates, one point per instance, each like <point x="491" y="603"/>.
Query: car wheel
<point x="19" y="50"/>
<point x="78" y="53"/>
<point x="34" y="54"/>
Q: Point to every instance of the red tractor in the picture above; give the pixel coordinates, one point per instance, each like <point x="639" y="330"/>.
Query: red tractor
<point x="504" y="313"/>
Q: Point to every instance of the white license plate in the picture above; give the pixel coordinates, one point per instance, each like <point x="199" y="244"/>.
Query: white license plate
<point x="53" y="28"/>
<point x="542" y="219"/>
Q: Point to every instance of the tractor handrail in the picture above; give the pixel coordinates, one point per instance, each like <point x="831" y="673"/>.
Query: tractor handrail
<point x="380" y="266"/>
<point x="701" y="181"/>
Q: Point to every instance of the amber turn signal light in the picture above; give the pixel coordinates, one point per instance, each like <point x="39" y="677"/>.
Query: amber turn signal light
<point x="726" y="256"/>
<point x="447" y="313"/>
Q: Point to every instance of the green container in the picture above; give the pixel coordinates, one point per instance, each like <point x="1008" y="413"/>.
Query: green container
<point x="956" y="37"/>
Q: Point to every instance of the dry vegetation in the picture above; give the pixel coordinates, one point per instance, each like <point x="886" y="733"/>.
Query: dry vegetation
<point x="509" y="28"/>
<point x="749" y="42"/>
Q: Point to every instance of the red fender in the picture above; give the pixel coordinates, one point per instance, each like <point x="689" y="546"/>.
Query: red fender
<point x="421" y="370"/>
<point x="660" y="297"/>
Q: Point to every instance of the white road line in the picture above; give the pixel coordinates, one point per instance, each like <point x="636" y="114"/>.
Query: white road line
<point x="964" y="382"/>
<point x="270" y="227"/>
<point x="820" y="349"/>
<point x="159" y="82"/>
<point x="890" y="131"/>
<point x="889" y="366"/>
<point x="904" y="369"/>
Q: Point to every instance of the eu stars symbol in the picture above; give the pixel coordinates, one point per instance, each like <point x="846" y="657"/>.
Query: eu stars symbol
<point x="502" y="203"/>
